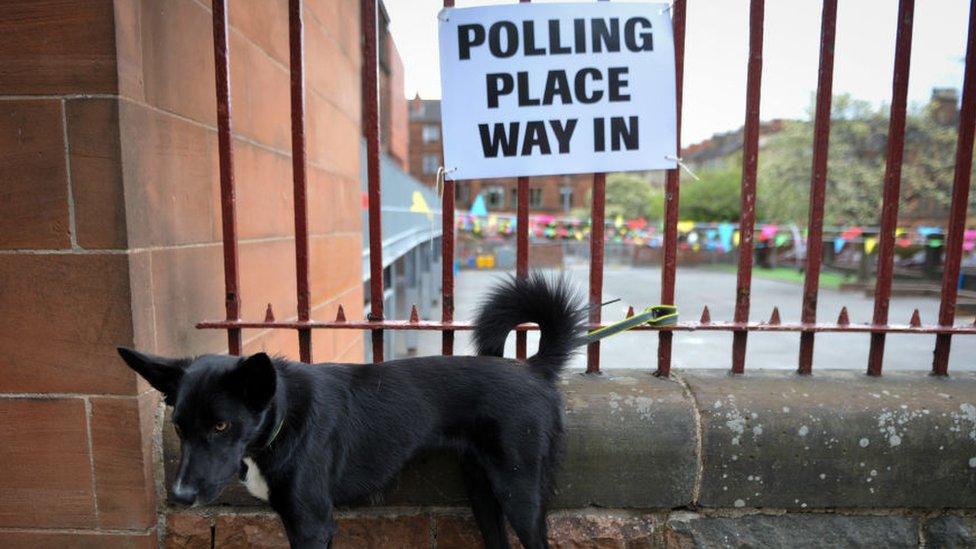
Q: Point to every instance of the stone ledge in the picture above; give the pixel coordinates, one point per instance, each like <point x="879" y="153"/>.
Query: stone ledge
<point x="950" y="530"/>
<point x="687" y="530"/>
<point x="621" y="427"/>
<point x="836" y="439"/>
<point x="452" y="528"/>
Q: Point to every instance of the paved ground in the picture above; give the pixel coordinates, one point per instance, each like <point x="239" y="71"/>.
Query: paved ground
<point x="700" y="286"/>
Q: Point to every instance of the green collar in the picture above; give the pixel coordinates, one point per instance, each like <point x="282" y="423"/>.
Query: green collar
<point x="274" y="434"/>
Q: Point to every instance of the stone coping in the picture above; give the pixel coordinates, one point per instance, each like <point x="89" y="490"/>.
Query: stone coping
<point x="837" y="439"/>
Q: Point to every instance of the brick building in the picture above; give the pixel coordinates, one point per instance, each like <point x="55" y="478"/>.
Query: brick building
<point x="393" y="108"/>
<point x="547" y="194"/>
<point x="716" y="151"/>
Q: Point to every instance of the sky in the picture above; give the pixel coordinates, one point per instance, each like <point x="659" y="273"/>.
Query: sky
<point x="716" y="48"/>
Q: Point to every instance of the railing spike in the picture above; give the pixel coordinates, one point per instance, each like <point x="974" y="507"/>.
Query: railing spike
<point x="842" y="318"/>
<point x="414" y="317"/>
<point x="706" y="316"/>
<point x="269" y="314"/>
<point x="630" y="311"/>
<point x="340" y="315"/>
<point x="916" y="321"/>
<point x="774" y="318"/>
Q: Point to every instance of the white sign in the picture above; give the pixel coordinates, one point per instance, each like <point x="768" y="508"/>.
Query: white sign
<point x="542" y="89"/>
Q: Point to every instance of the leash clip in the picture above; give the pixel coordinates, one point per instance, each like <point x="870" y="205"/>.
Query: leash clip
<point x="656" y="315"/>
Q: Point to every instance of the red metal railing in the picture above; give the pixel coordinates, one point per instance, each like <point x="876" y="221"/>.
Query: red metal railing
<point x="960" y="199"/>
<point x="371" y="109"/>
<point x="447" y="251"/>
<point x="750" y="162"/>
<point x="892" y="181"/>
<point x="818" y="182"/>
<point x="740" y="326"/>
<point x="228" y="209"/>
<point x="296" y="57"/>
<point x="671" y="195"/>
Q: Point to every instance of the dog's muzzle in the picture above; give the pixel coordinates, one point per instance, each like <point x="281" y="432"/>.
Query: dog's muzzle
<point x="184" y="494"/>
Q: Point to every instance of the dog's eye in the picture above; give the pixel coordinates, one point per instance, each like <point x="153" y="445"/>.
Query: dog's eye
<point x="221" y="426"/>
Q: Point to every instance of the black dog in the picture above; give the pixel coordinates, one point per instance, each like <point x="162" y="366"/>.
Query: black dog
<point x="311" y="437"/>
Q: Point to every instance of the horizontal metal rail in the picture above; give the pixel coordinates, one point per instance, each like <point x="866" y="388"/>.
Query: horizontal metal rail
<point x="679" y="327"/>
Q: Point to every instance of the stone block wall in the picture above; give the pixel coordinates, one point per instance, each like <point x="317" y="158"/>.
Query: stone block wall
<point x="110" y="231"/>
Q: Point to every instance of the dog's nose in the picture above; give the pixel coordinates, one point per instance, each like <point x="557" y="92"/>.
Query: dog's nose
<point x="184" y="494"/>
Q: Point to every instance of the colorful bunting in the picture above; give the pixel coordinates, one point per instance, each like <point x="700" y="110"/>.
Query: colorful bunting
<point x="419" y="205"/>
<point x="723" y="237"/>
<point x="839" y="244"/>
<point x="725" y="231"/>
<point x="478" y="208"/>
<point x="768" y="232"/>
<point x="870" y="243"/>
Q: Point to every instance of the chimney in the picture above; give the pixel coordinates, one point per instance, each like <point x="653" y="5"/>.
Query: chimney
<point x="943" y="106"/>
<point x="416" y="104"/>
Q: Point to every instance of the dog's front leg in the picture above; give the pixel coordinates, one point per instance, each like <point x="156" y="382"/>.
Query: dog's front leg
<point x="320" y="540"/>
<point x="309" y="531"/>
<point x="308" y="521"/>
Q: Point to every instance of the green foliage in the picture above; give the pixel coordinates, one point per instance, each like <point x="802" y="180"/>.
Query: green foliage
<point x="856" y="166"/>
<point x="714" y="198"/>
<point x="632" y="196"/>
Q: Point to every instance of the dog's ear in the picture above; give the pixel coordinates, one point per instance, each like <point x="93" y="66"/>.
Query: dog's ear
<point x="254" y="379"/>
<point x="164" y="374"/>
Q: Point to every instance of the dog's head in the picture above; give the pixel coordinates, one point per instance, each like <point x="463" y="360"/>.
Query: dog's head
<point x="219" y="405"/>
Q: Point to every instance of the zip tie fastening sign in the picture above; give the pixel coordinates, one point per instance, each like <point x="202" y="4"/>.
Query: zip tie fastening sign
<point x="682" y="165"/>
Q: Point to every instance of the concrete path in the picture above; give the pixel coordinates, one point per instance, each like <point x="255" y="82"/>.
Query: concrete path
<point x="697" y="287"/>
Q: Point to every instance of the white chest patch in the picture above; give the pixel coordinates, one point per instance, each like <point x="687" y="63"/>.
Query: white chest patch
<point x="254" y="481"/>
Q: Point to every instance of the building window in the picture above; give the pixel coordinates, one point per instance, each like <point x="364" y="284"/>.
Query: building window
<point x="431" y="133"/>
<point x="431" y="163"/>
<point x="495" y="197"/>
<point x="382" y="37"/>
<point x="566" y="198"/>
<point x="463" y="193"/>
<point x="535" y="197"/>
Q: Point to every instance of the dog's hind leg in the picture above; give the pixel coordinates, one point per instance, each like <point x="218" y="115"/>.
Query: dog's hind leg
<point x="519" y="493"/>
<point x="484" y="505"/>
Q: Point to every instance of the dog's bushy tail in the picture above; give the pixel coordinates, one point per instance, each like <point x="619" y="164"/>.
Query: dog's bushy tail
<point x="549" y="302"/>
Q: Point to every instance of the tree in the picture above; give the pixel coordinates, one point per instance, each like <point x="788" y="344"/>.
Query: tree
<point x="631" y="196"/>
<point x="856" y="166"/>
<point x="715" y="197"/>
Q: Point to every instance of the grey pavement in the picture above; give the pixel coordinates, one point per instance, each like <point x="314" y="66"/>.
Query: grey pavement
<point x="696" y="287"/>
